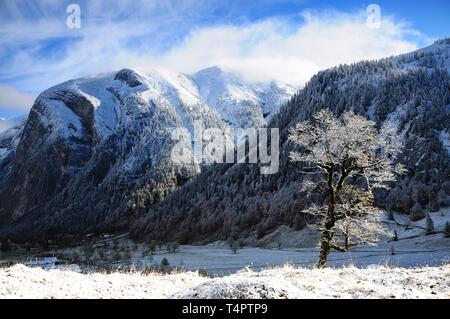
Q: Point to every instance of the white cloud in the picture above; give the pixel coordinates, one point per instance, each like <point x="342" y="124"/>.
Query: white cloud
<point x="11" y="98"/>
<point x="283" y="49"/>
<point x="265" y="51"/>
<point x="6" y="124"/>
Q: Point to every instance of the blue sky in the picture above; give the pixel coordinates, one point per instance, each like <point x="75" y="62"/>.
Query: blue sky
<point x="285" y="40"/>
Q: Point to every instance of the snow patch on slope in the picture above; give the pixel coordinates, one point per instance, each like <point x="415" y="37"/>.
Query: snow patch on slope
<point x="9" y="139"/>
<point x="6" y="124"/>
<point x="64" y="122"/>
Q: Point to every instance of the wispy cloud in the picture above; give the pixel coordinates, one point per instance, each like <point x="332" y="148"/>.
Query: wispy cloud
<point x="12" y="99"/>
<point x="37" y="50"/>
<point x="268" y="50"/>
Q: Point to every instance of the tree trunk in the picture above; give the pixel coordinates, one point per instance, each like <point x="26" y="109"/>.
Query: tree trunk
<point x="327" y="236"/>
<point x="324" y="251"/>
<point x="346" y="238"/>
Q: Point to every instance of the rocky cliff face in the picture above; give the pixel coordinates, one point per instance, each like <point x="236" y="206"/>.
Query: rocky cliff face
<point x="95" y="151"/>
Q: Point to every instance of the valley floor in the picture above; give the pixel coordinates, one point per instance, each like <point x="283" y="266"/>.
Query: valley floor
<point x="20" y="281"/>
<point x="416" y="265"/>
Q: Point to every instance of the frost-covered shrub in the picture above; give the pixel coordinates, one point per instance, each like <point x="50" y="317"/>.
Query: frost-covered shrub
<point x="395" y="236"/>
<point x="164" y="266"/>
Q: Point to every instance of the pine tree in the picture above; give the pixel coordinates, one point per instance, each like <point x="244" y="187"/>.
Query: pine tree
<point x="164" y="266"/>
<point x="392" y="251"/>
<point x="395" y="237"/>
<point x="390" y="215"/>
<point x="152" y="247"/>
<point x="88" y="253"/>
<point x="234" y="246"/>
<point x="447" y="230"/>
<point x="102" y="254"/>
<point x="165" y="262"/>
<point x="429" y="225"/>
<point x="115" y="244"/>
<point x="279" y="243"/>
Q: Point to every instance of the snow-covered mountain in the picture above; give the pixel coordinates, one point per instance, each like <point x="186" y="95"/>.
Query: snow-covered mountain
<point x="4" y="124"/>
<point x="11" y="122"/>
<point x="9" y="138"/>
<point x="240" y="104"/>
<point x="95" y="150"/>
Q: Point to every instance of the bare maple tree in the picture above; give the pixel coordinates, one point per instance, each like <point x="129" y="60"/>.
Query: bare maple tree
<point x="354" y="158"/>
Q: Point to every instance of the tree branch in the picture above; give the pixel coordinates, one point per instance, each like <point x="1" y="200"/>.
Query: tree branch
<point x="338" y="248"/>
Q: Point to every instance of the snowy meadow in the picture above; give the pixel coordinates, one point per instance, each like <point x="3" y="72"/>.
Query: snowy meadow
<point x="281" y="282"/>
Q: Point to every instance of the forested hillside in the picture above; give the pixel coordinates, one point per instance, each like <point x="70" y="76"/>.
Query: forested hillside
<point x="236" y="202"/>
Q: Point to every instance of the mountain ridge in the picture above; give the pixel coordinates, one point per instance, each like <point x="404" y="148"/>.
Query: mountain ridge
<point x="94" y="150"/>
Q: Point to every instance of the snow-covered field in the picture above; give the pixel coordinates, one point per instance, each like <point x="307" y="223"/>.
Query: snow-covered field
<point x="412" y="249"/>
<point x="415" y="266"/>
<point x="219" y="261"/>
<point x="20" y="281"/>
<point x="216" y="260"/>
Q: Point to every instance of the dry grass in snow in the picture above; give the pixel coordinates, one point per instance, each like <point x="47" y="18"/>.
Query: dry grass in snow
<point x="284" y="282"/>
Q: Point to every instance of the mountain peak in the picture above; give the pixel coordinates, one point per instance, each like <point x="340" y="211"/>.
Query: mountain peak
<point x="129" y="76"/>
<point x="217" y="74"/>
<point x="215" y="69"/>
